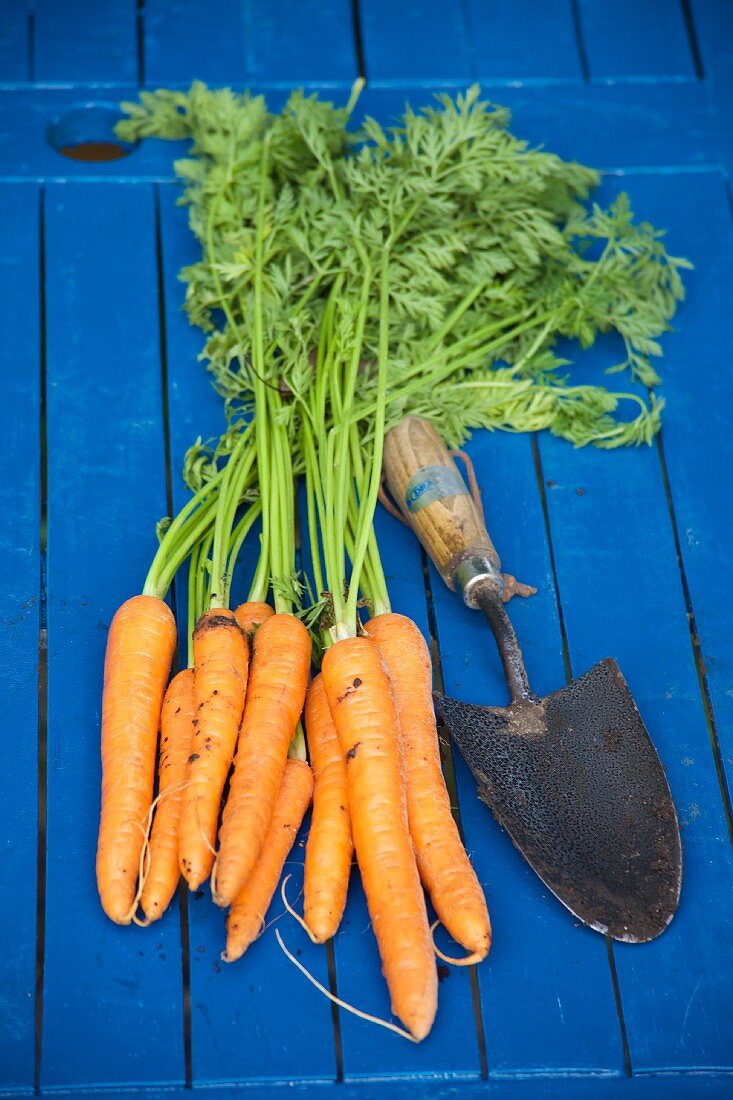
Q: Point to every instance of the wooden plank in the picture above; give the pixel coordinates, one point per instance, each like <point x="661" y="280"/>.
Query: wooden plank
<point x="672" y="1087"/>
<point x="622" y="126"/>
<point x="15" y="41"/>
<point x="635" y="38"/>
<point x="621" y="594"/>
<point x="83" y="42"/>
<point x="106" y="488"/>
<point x="261" y="995"/>
<point x="523" y="40"/>
<point x="193" y="39"/>
<point x="20" y="563"/>
<point x="232" y="42"/>
<point x="546" y="993"/>
<point x="424" y="43"/>
<point x="452" y="1046"/>
<point x="582" y="1088"/>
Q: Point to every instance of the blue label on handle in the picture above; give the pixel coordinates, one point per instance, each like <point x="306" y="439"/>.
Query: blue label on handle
<point x="431" y="484"/>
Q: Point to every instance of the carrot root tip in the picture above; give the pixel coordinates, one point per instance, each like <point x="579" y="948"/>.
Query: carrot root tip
<point x="468" y="960"/>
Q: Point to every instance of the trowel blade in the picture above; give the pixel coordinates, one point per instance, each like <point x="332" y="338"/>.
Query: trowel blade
<point x="577" y="783"/>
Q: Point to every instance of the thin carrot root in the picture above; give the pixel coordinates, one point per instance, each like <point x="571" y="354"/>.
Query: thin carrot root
<point x="294" y="912"/>
<point x="220" y="681"/>
<point x="176" y="735"/>
<point x="330" y="849"/>
<point x="360" y="699"/>
<point x="143" y="869"/>
<point x="252" y="614"/>
<point x="444" y="866"/>
<point x="247" y="916"/>
<point x="163" y="796"/>
<point x="140" y="645"/>
<point x="338" y="1000"/>
<point x="278" y="682"/>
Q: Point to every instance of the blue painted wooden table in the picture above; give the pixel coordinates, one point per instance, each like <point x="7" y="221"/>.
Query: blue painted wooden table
<point x="632" y="553"/>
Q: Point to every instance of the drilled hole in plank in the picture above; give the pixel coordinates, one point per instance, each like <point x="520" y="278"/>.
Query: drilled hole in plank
<point x="86" y="132"/>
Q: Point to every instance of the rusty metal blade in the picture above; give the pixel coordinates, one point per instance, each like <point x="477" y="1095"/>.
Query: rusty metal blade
<point x="575" y="780"/>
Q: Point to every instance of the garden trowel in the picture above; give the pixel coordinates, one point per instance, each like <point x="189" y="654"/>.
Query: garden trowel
<point x="573" y="777"/>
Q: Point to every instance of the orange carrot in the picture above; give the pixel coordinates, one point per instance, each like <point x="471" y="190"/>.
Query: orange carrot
<point x="176" y="734"/>
<point x="140" y="646"/>
<point x="275" y="697"/>
<point x="252" y="614"/>
<point x="360" y="699"/>
<point x="444" y="867"/>
<point x="220" y="681"/>
<point x="330" y="848"/>
<point x="247" y="916"/>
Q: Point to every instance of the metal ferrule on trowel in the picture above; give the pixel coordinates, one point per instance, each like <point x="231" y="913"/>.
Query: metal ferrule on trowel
<point x="573" y="777"/>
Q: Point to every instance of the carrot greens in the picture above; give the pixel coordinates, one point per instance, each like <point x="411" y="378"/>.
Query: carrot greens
<point x="350" y="276"/>
<point x="493" y="256"/>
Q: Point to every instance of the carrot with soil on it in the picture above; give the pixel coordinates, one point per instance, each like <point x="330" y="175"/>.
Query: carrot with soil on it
<point x="221" y="658"/>
<point x="329" y="850"/>
<point x="252" y="614"/>
<point x="246" y="917"/>
<point x="161" y="872"/>
<point x="220" y="679"/>
<point x="281" y="644"/>
<point x="360" y="698"/>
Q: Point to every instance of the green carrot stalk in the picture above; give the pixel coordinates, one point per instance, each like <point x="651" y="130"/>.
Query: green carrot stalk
<point x="181" y="536"/>
<point x="236" y="474"/>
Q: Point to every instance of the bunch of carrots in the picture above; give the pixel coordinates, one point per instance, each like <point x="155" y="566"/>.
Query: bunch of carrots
<point x="234" y="715"/>
<point x="428" y="271"/>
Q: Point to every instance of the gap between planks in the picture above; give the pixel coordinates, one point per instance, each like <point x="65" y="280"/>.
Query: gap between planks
<point x="358" y="40"/>
<point x="446" y="754"/>
<point x="692" y="39"/>
<point x="470" y="44"/>
<point x="42" y="654"/>
<point x="696" y="643"/>
<point x="140" y="41"/>
<point x="579" y="43"/>
<point x="31" y="59"/>
<point x="163" y="359"/>
<point x="540" y="478"/>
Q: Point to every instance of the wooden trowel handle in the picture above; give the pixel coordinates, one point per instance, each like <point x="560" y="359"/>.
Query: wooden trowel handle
<point x="433" y="497"/>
